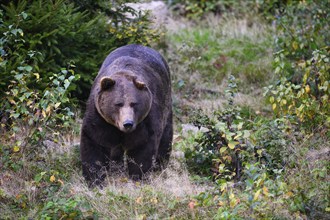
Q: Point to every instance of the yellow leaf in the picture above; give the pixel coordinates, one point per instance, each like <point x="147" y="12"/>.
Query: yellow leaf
<point x="307" y="89"/>
<point x="240" y="125"/>
<point x="223" y="149"/>
<point x="265" y="191"/>
<point x="139" y="200"/>
<point x="142" y="217"/>
<point x="36" y="75"/>
<point x="52" y="178"/>
<point x="274" y="106"/>
<point x="124" y="180"/>
<point x="238" y="135"/>
<point x="283" y="102"/>
<point x="48" y="110"/>
<point x="289" y="194"/>
<point x="271" y="99"/>
<point x="231" y="196"/>
<point x="16" y="149"/>
<point x="233" y="203"/>
<point x="232" y="144"/>
<point x="12" y="101"/>
<point x="57" y="104"/>
<point x="60" y="181"/>
<point x="154" y="200"/>
<point x="256" y="195"/>
<point x="259" y="152"/>
<point x="295" y="45"/>
<point x="44" y="114"/>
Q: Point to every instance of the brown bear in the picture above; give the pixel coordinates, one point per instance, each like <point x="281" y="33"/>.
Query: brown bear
<point x="129" y="111"/>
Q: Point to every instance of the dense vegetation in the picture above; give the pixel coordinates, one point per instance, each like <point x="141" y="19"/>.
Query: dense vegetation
<point x="250" y="78"/>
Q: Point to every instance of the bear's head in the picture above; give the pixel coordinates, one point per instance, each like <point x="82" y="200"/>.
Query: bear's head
<point x="123" y="101"/>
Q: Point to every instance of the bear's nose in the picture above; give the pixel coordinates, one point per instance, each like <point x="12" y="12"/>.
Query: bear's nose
<point x="128" y="124"/>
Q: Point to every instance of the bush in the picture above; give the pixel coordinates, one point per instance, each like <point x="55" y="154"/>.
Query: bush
<point x="226" y="146"/>
<point x="66" y="32"/>
<point x="302" y="64"/>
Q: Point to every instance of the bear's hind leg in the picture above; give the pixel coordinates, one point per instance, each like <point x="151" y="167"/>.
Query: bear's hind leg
<point x="165" y="146"/>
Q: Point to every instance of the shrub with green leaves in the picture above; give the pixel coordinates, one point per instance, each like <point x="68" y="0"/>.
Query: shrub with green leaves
<point x="302" y="64"/>
<point x="64" y="32"/>
<point x="196" y="9"/>
<point x="221" y="151"/>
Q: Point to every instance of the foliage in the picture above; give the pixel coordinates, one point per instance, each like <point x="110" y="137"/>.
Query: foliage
<point x="195" y="9"/>
<point x="258" y="165"/>
<point x="30" y="115"/>
<point x="279" y="169"/>
<point x="302" y="28"/>
<point x="67" y="32"/>
<point x="221" y="151"/>
<point x="61" y="209"/>
<point x="302" y="63"/>
<point x="42" y="111"/>
<point x="308" y="102"/>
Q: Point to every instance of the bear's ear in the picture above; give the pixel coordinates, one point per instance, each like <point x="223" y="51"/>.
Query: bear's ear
<point x="107" y="83"/>
<point x="140" y="85"/>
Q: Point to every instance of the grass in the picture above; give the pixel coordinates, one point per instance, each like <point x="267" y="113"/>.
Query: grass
<point x="30" y="194"/>
<point x="223" y="46"/>
<point x="203" y="55"/>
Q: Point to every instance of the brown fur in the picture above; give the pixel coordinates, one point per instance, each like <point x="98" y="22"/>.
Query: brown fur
<point x="129" y="110"/>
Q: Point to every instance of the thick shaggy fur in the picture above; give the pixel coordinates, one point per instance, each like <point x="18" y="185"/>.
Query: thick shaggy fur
<point x="133" y="85"/>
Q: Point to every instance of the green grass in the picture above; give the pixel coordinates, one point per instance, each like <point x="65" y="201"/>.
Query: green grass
<point x="215" y="49"/>
<point x="203" y="55"/>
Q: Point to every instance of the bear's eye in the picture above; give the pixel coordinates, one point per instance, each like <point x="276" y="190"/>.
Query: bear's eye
<point x="119" y="104"/>
<point x="133" y="104"/>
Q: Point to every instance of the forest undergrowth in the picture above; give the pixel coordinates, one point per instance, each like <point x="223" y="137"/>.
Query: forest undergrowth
<point x="250" y="98"/>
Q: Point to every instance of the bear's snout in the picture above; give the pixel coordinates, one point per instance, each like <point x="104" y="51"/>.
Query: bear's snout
<point x="128" y="124"/>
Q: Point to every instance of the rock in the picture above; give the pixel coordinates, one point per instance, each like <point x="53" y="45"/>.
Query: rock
<point x="190" y="128"/>
<point x="158" y="11"/>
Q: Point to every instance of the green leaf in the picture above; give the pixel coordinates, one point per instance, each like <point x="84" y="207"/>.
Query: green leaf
<point x="66" y="83"/>
<point x="232" y="144"/>
<point x="15" y="115"/>
<point x="56" y="82"/>
<point x="18" y="76"/>
<point x="223" y="149"/>
<point x="39" y="176"/>
<point x="277" y="70"/>
<point x="246" y="134"/>
<point x="28" y="68"/>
